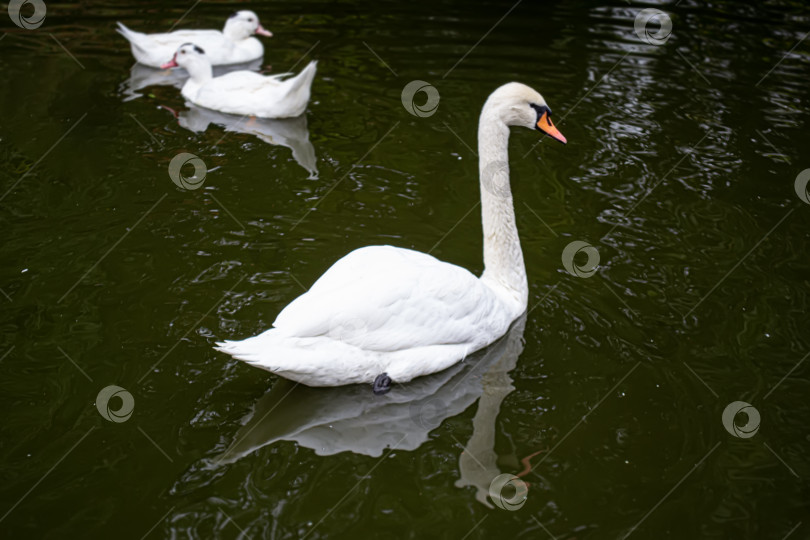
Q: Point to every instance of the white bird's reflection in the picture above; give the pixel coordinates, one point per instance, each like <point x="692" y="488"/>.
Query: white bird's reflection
<point x="477" y="464"/>
<point x="291" y="133"/>
<point x="352" y="418"/>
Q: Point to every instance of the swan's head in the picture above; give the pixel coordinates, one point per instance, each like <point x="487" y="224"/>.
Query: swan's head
<point x="243" y="24"/>
<point x="518" y="105"/>
<point x="188" y="56"/>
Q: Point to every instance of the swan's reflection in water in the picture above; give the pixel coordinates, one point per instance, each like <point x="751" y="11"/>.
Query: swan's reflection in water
<point x="352" y="418"/>
<point x="291" y="133"/>
<point x="478" y="463"/>
<point x="141" y="77"/>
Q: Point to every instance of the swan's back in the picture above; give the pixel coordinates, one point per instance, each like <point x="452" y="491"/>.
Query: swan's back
<point x="379" y="309"/>
<point x="385" y="298"/>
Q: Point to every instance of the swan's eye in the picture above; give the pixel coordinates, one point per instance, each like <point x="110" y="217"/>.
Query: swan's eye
<point x="250" y="20"/>
<point x="182" y="52"/>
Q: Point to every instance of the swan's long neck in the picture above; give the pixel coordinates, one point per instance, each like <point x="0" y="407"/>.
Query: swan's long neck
<point x="503" y="258"/>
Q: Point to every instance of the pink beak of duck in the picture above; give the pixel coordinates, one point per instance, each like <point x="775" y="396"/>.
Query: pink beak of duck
<point x="262" y="31"/>
<point x="171" y="63"/>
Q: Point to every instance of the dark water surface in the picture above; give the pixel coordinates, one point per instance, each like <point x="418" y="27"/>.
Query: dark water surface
<point x="680" y="171"/>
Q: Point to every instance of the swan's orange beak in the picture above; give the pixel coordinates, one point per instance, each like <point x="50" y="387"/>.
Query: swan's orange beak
<point x="545" y="125"/>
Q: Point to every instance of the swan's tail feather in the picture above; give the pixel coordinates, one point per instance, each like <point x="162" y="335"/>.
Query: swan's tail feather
<point x="242" y="350"/>
<point x="314" y="361"/>
<point x="270" y="350"/>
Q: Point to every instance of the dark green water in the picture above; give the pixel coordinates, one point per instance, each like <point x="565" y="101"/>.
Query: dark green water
<point x="680" y="171"/>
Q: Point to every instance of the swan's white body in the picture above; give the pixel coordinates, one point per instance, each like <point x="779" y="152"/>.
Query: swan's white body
<point x="383" y="309"/>
<point x="233" y="45"/>
<point x="243" y="92"/>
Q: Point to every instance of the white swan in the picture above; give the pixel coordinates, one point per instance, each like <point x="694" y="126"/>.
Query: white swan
<point x="385" y="310"/>
<point x="242" y="92"/>
<point x="234" y="45"/>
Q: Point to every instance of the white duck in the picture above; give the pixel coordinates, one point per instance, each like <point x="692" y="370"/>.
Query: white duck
<point x="234" y="45"/>
<point x="383" y="313"/>
<point x="242" y="92"/>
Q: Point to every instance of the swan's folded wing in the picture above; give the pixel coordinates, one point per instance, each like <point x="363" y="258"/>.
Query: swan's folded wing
<point x="387" y="299"/>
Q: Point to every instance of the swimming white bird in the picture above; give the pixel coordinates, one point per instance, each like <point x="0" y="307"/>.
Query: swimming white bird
<point x="242" y="92"/>
<point x="383" y="314"/>
<point x="141" y="77"/>
<point x="234" y="45"/>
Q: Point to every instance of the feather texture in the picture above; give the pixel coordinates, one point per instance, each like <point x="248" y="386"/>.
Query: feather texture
<point x="233" y="45"/>
<point x="383" y="309"/>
